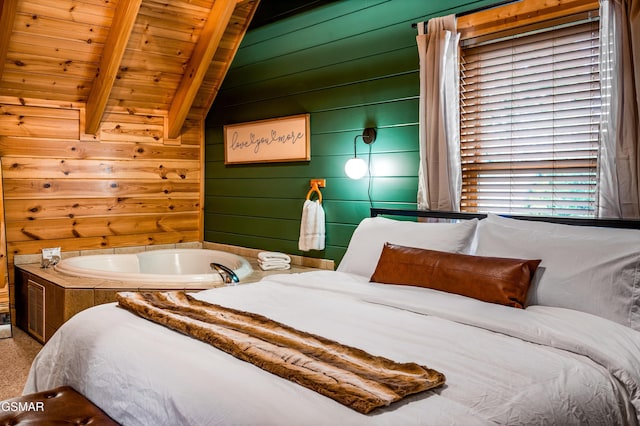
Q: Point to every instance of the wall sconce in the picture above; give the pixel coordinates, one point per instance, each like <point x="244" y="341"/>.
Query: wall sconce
<point x="356" y="167"/>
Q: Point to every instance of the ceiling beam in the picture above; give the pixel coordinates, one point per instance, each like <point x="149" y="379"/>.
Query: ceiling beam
<point x="7" y="17"/>
<point x="236" y="30"/>
<point x="198" y="64"/>
<point x="114" y="47"/>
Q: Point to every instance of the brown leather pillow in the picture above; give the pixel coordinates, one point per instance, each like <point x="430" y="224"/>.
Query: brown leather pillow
<point x="491" y="279"/>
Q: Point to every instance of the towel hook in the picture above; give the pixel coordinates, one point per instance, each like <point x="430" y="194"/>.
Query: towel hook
<point x="316" y="184"/>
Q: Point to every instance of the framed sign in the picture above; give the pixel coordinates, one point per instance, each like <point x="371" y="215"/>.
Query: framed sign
<point x="264" y="141"/>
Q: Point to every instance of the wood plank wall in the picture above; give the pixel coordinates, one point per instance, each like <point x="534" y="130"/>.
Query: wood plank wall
<point x="124" y="188"/>
<point x="351" y="65"/>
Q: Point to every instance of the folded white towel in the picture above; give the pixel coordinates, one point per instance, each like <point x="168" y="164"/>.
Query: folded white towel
<point x="267" y="256"/>
<point x="274" y="265"/>
<point x="274" y="262"/>
<point x="312" y="226"/>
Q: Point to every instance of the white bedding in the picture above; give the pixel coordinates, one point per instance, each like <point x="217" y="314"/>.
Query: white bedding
<point x="542" y="365"/>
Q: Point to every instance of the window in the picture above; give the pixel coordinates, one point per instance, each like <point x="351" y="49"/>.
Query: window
<point x="530" y="120"/>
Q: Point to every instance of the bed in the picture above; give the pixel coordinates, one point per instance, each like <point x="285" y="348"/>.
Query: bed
<point x="569" y="355"/>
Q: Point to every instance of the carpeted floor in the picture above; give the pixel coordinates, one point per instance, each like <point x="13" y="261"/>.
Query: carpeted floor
<point x="16" y="355"/>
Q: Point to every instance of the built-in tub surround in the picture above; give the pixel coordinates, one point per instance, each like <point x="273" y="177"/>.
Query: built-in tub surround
<point x="46" y="297"/>
<point x="167" y="266"/>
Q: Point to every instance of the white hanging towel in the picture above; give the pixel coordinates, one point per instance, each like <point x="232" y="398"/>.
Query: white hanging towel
<point x="312" y="226"/>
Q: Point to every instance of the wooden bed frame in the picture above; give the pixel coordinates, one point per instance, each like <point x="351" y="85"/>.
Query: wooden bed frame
<point x="608" y="223"/>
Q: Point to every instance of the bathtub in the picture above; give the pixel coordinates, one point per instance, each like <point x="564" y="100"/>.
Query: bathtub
<point x="160" y="266"/>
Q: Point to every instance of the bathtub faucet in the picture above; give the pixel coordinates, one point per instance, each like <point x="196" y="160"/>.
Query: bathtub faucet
<point x="227" y="275"/>
<point x="50" y="261"/>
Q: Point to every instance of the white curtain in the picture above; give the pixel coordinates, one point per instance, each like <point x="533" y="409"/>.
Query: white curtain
<point x="440" y="176"/>
<point x="619" y="161"/>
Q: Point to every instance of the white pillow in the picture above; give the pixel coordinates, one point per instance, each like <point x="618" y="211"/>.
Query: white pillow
<point x="556" y="228"/>
<point x="589" y="269"/>
<point x="369" y="237"/>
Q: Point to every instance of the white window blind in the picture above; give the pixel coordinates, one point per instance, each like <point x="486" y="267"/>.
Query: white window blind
<point x="530" y="117"/>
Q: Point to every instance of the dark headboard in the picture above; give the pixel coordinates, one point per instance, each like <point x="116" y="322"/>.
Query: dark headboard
<point x="609" y="223"/>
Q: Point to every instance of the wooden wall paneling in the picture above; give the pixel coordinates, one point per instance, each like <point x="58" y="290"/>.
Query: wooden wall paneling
<point x="383" y="163"/>
<point x="324" y="57"/>
<point x="313" y="17"/>
<point x="56" y="168"/>
<point x="127" y="189"/>
<point x="341" y="211"/>
<point x="8" y="10"/>
<point x="38" y="86"/>
<point x="78" y="227"/>
<point x="350" y="65"/>
<point x="33" y="209"/>
<point x="72" y="188"/>
<point x="384" y="188"/>
<point x="274" y="228"/>
<point x="379" y="114"/>
<point x="49" y="147"/>
<point x="193" y="133"/>
<point x="5" y="286"/>
<point x="389" y="139"/>
<point x="286" y="208"/>
<point x="395" y="87"/>
<point x="38" y="122"/>
<point x="332" y="26"/>
<point x="38" y="102"/>
<point x="309" y="88"/>
<point x="120" y="128"/>
<point x="70" y="72"/>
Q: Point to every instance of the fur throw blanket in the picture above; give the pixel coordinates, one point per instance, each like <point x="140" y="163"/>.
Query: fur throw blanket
<point x="348" y="375"/>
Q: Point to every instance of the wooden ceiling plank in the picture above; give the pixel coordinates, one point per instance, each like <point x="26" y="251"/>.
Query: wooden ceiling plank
<point x="72" y="11"/>
<point x="58" y="29"/>
<point x="198" y="65"/>
<point x="123" y="22"/>
<point x="8" y="10"/>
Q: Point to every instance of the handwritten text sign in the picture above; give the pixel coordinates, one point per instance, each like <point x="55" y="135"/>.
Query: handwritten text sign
<point x="277" y="139"/>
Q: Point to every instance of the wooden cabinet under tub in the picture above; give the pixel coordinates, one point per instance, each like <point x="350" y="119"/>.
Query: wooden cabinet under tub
<point x="42" y="306"/>
<point x="46" y="298"/>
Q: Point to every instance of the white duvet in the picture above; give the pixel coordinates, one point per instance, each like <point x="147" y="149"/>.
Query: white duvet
<point x="503" y="365"/>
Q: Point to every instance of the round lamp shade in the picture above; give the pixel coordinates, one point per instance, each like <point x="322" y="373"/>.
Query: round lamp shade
<point x="355" y="168"/>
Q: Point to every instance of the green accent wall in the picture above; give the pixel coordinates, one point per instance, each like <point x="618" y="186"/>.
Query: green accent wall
<point x="350" y="65"/>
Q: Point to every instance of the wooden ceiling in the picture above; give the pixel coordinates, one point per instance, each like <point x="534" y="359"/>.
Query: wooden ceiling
<point x="165" y="57"/>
